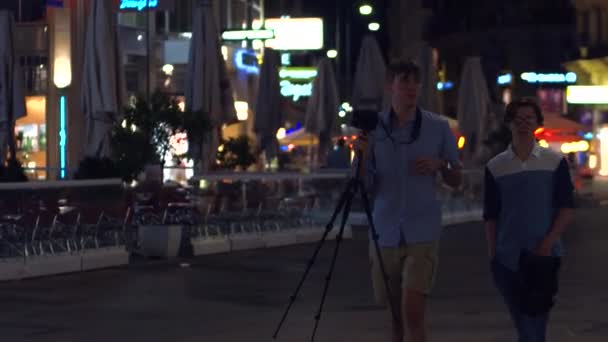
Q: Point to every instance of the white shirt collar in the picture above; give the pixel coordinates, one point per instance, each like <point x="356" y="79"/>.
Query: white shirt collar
<point x="536" y="151"/>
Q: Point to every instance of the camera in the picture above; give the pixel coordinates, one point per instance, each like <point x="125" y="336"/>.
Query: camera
<point x="364" y="119"/>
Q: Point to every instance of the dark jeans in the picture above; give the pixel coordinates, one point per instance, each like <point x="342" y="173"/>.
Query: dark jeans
<point x="510" y="285"/>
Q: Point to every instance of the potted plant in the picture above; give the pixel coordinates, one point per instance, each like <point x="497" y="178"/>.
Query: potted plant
<point x="236" y="154"/>
<point x="12" y="171"/>
<point x="142" y="140"/>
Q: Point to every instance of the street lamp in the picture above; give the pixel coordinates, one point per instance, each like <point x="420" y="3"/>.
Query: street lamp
<point x="366" y="10"/>
<point x="373" y="27"/>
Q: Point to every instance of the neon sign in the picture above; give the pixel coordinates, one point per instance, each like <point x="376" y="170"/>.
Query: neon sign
<point x="295" y="90"/>
<point x="532" y="77"/>
<point x="138" y="5"/>
<point x="248" y="35"/>
<point x="296" y="82"/>
<point x="246" y="61"/>
<point x="587" y="94"/>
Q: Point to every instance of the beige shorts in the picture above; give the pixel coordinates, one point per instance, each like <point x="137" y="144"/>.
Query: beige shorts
<point x="412" y="266"/>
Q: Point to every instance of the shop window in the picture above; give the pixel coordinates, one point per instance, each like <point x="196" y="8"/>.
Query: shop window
<point x="31" y="137"/>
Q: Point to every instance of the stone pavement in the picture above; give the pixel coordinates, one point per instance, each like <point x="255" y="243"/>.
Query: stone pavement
<point x="241" y="296"/>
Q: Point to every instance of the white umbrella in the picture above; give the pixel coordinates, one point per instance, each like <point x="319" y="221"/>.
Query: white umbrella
<point x="323" y="106"/>
<point x="12" y="99"/>
<point x="474" y="106"/>
<point x="103" y="83"/>
<point x="208" y="88"/>
<point x="368" y="88"/>
<point x="268" y="114"/>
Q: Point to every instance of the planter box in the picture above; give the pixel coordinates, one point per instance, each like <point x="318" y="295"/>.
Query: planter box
<point x="12" y="269"/>
<point x="45" y="265"/>
<point x="314" y="234"/>
<point x="245" y="241"/>
<point x="94" y="259"/>
<point x="279" y="238"/>
<point x="160" y="240"/>
<point x="210" y="245"/>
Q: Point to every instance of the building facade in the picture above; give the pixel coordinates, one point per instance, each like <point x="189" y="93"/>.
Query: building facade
<point x="50" y="45"/>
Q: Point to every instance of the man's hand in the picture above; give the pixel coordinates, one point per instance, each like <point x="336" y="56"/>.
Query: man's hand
<point x="428" y="166"/>
<point x="544" y="249"/>
<point x="361" y="143"/>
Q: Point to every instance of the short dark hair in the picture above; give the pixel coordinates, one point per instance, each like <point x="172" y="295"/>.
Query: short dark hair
<point x="403" y="69"/>
<point x="515" y="106"/>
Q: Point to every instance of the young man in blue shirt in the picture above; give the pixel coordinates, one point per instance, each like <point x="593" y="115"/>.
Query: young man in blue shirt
<point x="528" y="205"/>
<point x="402" y="158"/>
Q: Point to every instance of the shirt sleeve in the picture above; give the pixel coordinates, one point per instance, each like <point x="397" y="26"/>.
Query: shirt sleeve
<point x="491" y="200"/>
<point x="449" y="150"/>
<point x="563" y="188"/>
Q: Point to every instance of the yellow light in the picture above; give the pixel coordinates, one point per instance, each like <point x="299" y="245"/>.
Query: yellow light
<point x="220" y="148"/>
<point x="281" y="133"/>
<point x="242" y="110"/>
<point x="543" y="143"/>
<point x="592" y="161"/>
<point x="461" y="142"/>
<point x="603" y="136"/>
<point x="62" y="76"/>
<point x="587" y="94"/>
<point x="366" y="10"/>
<point x="168" y="69"/>
<point x="342" y="114"/>
<point x="573" y="147"/>
<point x="332" y="54"/>
<point x="61" y="48"/>
<point x="224" y="52"/>
<point x="373" y="27"/>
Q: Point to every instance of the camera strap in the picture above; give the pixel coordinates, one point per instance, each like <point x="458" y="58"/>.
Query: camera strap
<point x="414" y="134"/>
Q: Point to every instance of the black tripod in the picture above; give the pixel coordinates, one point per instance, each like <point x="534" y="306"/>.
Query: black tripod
<point x="353" y="186"/>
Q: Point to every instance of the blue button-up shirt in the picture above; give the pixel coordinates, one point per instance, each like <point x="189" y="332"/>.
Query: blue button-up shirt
<point x="523" y="197"/>
<point x="405" y="207"/>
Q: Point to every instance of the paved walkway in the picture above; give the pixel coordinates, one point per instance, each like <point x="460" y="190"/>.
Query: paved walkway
<point x="240" y="297"/>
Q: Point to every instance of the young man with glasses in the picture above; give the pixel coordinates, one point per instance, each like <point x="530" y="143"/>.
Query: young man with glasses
<point x="401" y="159"/>
<point x="528" y="205"/>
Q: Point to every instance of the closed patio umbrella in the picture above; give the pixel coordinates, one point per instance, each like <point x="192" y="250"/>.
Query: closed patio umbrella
<point x="208" y="88"/>
<point x="103" y="84"/>
<point x="12" y="99"/>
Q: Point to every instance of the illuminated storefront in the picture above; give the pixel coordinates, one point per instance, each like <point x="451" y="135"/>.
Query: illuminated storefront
<point x="592" y="104"/>
<point x="30" y="135"/>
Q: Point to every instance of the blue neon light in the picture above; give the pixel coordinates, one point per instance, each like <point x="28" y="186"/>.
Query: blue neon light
<point x="532" y="77"/>
<point x="240" y="61"/>
<point x="505" y="79"/>
<point x="445" y="86"/>
<point x="588" y="136"/>
<point x="284" y="148"/>
<point x="63" y="137"/>
<point x="139" y="5"/>
<point x="293" y="129"/>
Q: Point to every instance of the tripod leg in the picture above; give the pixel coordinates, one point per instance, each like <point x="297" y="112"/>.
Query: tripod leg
<point x="328" y="228"/>
<point x="372" y="227"/>
<point x="345" y="213"/>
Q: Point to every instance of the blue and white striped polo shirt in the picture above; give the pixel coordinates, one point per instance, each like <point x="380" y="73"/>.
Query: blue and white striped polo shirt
<point x="523" y="197"/>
